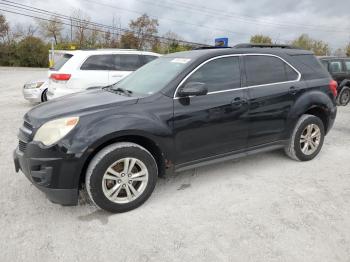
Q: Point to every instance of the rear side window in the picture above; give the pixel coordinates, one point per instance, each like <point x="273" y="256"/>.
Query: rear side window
<point x="310" y="67"/>
<point x="149" y="58"/>
<point x="219" y="74"/>
<point x="347" y="65"/>
<point x="59" y="61"/>
<point x="336" y="66"/>
<point x="98" y="62"/>
<point x="262" y="70"/>
<point x="126" y="62"/>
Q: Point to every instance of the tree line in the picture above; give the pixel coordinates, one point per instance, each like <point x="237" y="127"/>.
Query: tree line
<point x="29" y="45"/>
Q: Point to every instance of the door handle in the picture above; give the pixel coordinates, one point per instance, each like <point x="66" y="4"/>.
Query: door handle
<point x="293" y="90"/>
<point x="239" y="101"/>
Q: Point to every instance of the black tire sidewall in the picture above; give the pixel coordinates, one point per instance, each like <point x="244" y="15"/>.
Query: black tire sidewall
<point x="43" y="96"/>
<point x="342" y="92"/>
<point x="310" y="120"/>
<point x="97" y="174"/>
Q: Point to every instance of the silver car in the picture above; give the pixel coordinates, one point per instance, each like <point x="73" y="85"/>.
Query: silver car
<point x="35" y="91"/>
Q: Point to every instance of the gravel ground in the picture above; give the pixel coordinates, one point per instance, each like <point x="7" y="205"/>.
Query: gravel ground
<point x="261" y="208"/>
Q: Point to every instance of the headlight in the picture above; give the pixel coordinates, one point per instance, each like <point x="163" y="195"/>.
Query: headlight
<point x="33" y="85"/>
<point x="52" y="131"/>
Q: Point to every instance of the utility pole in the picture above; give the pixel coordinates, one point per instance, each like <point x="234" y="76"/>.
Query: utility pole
<point x="71" y="30"/>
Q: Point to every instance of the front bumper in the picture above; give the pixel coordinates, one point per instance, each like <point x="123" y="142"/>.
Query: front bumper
<point x="33" y="95"/>
<point x="54" y="175"/>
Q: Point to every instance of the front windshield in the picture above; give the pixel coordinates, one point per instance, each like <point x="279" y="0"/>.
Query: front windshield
<point x="154" y="76"/>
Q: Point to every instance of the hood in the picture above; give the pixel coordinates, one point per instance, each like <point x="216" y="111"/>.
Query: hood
<point x="77" y="104"/>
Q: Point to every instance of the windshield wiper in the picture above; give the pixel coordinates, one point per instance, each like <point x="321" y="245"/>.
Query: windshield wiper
<point x="118" y="90"/>
<point x="122" y="90"/>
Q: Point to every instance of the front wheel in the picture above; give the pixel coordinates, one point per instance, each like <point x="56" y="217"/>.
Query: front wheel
<point x="121" y="177"/>
<point x="344" y="96"/>
<point x="307" y="138"/>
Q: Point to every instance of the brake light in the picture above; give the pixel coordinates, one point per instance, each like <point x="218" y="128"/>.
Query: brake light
<point x="60" y="77"/>
<point x="333" y="86"/>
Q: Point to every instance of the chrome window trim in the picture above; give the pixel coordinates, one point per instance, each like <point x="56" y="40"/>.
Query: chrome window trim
<point x="240" y="88"/>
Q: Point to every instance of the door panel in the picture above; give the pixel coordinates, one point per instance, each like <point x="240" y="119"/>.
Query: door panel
<point x="272" y="89"/>
<point x="210" y="125"/>
<point x="268" y="111"/>
<point x="215" y="123"/>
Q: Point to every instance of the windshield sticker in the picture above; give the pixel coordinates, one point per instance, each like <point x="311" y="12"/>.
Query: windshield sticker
<point x="181" y="60"/>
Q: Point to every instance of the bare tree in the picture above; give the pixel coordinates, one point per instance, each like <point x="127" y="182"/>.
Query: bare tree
<point x="81" y="23"/>
<point x="144" y="29"/>
<point x="51" y="29"/>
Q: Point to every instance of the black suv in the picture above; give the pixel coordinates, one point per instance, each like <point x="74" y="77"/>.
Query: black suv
<point x="180" y="111"/>
<point x="339" y="68"/>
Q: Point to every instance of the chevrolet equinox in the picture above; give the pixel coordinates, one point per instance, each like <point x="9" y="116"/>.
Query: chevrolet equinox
<point x="180" y="111"/>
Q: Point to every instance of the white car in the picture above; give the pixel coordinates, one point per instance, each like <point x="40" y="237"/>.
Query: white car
<point x="77" y="71"/>
<point x="35" y="91"/>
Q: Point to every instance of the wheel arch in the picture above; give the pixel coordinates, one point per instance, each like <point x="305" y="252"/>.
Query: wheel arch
<point x="314" y="103"/>
<point x="344" y="83"/>
<point x="141" y="140"/>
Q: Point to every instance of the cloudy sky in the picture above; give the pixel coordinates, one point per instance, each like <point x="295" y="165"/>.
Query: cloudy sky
<point x="203" y="20"/>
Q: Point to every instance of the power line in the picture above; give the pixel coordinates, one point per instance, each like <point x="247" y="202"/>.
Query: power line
<point x="169" y="19"/>
<point x="246" y="19"/>
<point x="35" y="10"/>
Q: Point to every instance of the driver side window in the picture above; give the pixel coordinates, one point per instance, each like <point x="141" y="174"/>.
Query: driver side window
<point x="219" y="74"/>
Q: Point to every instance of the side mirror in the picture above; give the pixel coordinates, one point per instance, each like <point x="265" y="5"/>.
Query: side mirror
<point x="193" y="89"/>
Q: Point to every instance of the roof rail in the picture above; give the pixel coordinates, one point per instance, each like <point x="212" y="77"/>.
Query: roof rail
<point x="264" y="46"/>
<point x="210" y="47"/>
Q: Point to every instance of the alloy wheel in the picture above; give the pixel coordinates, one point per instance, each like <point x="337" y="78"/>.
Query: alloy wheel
<point x="125" y="180"/>
<point x="310" y="139"/>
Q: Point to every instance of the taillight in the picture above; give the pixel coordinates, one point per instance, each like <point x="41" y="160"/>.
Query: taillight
<point x="60" y="77"/>
<point x="333" y="86"/>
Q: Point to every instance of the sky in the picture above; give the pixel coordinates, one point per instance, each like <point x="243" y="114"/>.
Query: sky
<point x="203" y="20"/>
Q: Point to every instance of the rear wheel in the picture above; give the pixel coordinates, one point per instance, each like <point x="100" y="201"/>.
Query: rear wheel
<point x="344" y="96"/>
<point x="121" y="177"/>
<point x="307" y="138"/>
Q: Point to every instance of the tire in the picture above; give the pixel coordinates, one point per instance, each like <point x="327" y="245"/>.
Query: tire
<point x="44" y="96"/>
<point x="306" y="151"/>
<point x="344" y="96"/>
<point x="115" y="158"/>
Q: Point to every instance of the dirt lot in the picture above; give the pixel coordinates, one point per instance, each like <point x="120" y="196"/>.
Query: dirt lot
<point x="261" y="208"/>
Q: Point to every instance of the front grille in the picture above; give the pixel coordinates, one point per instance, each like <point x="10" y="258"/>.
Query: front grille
<point x="22" y="146"/>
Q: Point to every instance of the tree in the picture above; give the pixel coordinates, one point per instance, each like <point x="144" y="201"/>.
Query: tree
<point x="51" y="29"/>
<point x="347" y="50"/>
<point x="81" y="23"/>
<point x="129" y="40"/>
<point x="32" y="51"/>
<point x="319" y="47"/>
<point x="4" y="27"/>
<point x="144" y="29"/>
<point x="260" y="39"/>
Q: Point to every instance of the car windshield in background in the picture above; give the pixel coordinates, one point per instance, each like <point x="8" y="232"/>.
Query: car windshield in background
<point x="60" y="61"/>
<point x="154" y="76"/>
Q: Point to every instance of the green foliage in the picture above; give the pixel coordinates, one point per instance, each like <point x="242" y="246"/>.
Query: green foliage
<point x="319" y="47"/>
<point x="129" y="40"/>
<point x="260" y="39"/>
<point x="33" y="52"/>
<point x="347" y="50"/>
